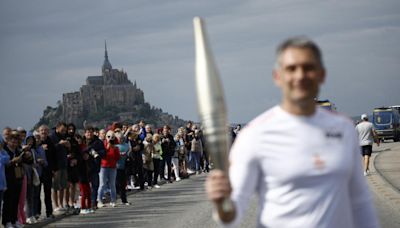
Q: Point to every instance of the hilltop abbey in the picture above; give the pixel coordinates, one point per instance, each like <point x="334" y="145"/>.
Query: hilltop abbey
<point x="106" y="98"/>
<point x="111" y="88"/>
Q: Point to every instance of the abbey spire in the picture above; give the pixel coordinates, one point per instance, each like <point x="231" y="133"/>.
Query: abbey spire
<point x="106" y="65"/>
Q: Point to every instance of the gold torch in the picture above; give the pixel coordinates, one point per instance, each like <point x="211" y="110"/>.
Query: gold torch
<point x="211" y="103"/>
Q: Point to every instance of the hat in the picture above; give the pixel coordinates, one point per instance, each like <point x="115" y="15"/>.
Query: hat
<point x="20" y="129"/>
<point x="364" y="116"/>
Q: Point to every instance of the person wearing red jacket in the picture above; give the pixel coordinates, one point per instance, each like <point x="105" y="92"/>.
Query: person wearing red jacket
<point x="108" y="171"/>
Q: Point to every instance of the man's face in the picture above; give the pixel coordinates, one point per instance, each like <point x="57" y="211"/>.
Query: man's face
<point x="141" y="124"/>
<point x="135" y="128"/>
<point x="44" y="132"/>
<point x="299" y="75"/>
<point x="13" y="143"/>
<point x="6" y="134"/>
<point x="165" y="131"/>
<point x="148" y="129"/>
<point x="71" y="130"/>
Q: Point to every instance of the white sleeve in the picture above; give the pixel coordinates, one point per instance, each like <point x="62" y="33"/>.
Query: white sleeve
<point x="361" y="200"/>
<point x="244" y="174"/>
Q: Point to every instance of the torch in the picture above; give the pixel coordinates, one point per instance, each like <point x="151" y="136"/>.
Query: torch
<point x="211" y="103"/>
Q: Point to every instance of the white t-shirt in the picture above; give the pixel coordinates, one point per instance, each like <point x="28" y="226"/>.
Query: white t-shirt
<point x="306" y="170"/>
<point x="365" y="134"/>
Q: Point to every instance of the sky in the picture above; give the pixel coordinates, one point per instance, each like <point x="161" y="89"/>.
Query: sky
<point x="48" y="48"/>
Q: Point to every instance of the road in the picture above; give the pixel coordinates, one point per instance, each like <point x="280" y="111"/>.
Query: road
<point x="184" y="204"/>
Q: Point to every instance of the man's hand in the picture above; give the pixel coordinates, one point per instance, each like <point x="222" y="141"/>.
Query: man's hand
<point x="218" y="186"/>
<point x="65" y="143"/>
<point x="45" y="146"/>
<point x="218" y="190"/>
<point x="16" y="160"/>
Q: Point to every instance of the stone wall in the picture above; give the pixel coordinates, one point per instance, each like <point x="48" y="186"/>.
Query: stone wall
<point x="72" y="107"/>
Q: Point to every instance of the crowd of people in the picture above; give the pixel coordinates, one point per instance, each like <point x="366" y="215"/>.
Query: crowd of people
<point x="81" y="171"/>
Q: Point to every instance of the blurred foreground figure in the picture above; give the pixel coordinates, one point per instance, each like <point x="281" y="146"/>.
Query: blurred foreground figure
<point x="302" y="161"/>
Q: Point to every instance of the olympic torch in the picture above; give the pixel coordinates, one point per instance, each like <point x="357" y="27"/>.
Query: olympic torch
<point x="211" y="103"/>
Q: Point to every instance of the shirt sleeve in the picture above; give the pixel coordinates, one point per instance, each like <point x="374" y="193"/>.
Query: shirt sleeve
<point x="361" y="199"/>
<point x="244" y="173"/>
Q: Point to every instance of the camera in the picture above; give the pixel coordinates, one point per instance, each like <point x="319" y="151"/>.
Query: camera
<point x="93" y="153"/>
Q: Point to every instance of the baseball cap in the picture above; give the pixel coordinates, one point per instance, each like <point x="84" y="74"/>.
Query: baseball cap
<point x="364" y="116"/>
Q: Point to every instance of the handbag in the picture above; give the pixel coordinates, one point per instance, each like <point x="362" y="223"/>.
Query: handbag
<point x="35" y="174"/>
<point x="35" y="177"/>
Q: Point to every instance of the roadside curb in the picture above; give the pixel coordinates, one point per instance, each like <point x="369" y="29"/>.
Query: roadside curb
<point x="377" y="157"/>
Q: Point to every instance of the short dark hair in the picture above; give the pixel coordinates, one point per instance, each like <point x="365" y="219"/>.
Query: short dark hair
<point x="59" y="124"/>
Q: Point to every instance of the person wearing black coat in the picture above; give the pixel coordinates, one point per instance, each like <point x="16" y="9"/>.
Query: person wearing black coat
<point x="168" y="145"/>
<point x="95" y="149"/>
<point x="47" y="174"/>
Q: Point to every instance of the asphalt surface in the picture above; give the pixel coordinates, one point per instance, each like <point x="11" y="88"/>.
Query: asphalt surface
<point x="184" y="204"/>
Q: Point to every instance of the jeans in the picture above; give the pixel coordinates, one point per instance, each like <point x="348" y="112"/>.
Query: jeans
<point x="166" y="159"/>
<point x="156" y="163"/>
<point x="1" y="201"/>
<point x="94" y="182"/>
<point x="121" y="184"/>
<point x="196" y="158"/>
<point x="47" y="182"/>
<point x="107" y="179"/>
<point x="11" y="199"/>
<point x="190" y="161"/>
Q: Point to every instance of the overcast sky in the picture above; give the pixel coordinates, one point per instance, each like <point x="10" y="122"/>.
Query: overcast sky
<point x="48" y="48"/>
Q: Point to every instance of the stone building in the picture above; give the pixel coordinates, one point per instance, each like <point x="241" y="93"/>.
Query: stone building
<point x="111" y="89"/>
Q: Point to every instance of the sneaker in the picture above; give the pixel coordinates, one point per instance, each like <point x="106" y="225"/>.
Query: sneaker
<point x="136" y="187"/>
<point x="126" y="203"/>
<point x="91" y="211"/>
<point x="157" y="186"/>
<point x="112" y="204"/>
<point x="178" y="179"/>
<point x="84" y="212"/>
<point x="189" y="171"/>
<point x="50" y="216"/>
<point x="31" y="220"/>
<point x="9" y="225"/>
<point x="365" y="173"/>
<point x="18" y="225"/>
<point x="368" y="172"/>
<point x="149" y="187"/>
<point x="100" y="205"/>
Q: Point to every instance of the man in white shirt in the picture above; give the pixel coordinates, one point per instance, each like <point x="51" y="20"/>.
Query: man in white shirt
<point x="367" y="136"/>
<point x="301" y="160"/>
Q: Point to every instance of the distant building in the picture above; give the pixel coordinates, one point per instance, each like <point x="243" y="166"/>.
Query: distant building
<point x="111" y="89"/>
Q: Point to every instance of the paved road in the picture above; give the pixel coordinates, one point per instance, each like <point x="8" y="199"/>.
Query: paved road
<point x="183" y="204"/>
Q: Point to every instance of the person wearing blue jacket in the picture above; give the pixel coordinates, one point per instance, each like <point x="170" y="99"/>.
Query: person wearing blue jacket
<point x="4" y="160"/>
